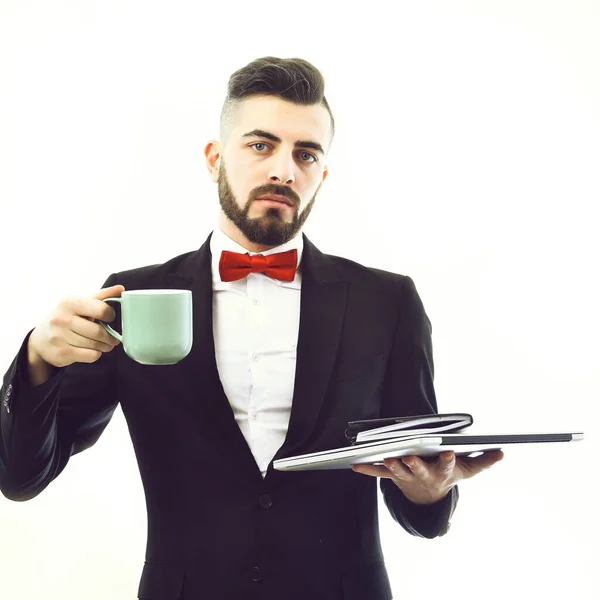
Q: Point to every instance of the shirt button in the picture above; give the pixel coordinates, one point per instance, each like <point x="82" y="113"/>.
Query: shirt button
<point x="256" y="574"/>
<point x="255" y="301"/>
<point x="265" y="501"/>
<point x="255" y="357"/>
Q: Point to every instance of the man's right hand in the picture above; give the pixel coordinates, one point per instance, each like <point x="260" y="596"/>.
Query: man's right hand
<point x="68" y="334"/>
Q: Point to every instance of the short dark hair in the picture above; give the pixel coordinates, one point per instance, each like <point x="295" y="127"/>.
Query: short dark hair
<point x="293" y="79"/>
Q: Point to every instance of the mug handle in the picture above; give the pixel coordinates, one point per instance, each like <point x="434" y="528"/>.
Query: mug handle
<point x="106" y="326"/>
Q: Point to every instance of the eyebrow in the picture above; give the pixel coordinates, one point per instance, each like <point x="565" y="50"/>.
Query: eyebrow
<point x="274" y="138"/>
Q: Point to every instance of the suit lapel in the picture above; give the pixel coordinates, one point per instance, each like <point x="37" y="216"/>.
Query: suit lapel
<point x="322" y="307"/>
<point x="199" y="369"/>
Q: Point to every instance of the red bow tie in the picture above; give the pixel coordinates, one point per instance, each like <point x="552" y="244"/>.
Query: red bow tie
<point x="281" y="265"/>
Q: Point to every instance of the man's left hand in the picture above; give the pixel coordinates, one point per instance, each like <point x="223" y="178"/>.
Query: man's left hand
<point x="425" y="483"/>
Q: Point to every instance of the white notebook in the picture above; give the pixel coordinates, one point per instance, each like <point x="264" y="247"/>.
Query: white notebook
<point x="461" y="443"/>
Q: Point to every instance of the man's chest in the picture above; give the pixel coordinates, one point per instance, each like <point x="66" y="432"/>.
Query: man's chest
<point x="255" y="330"/>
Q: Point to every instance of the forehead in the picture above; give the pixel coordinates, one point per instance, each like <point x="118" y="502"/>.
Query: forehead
<point x="283" y="118"/>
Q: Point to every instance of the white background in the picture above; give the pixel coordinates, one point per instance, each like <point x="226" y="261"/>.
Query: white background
<point x="466" y="156"/>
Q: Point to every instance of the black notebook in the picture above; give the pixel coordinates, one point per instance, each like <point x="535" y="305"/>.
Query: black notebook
<point x="396" y="428"/>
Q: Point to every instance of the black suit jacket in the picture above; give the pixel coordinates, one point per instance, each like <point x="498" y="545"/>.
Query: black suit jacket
<point x="216" y="528"/>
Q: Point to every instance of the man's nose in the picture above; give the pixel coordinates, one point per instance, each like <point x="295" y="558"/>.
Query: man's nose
<point x="283" y="171"/>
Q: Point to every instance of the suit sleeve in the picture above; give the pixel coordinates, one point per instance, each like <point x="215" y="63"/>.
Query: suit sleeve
<point x="408" y="390"/>
<point x="41" y="427"/>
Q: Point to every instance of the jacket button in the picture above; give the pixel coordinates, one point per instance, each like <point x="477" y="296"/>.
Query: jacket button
<point x="256" y="574"/>
<point x="265" y="501"/>
<point x="8" y="392"/>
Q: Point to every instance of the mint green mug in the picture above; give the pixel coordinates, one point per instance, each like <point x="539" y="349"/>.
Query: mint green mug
<point x="156" y="325"/>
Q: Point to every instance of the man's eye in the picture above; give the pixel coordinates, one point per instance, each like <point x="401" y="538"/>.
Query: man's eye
<point x="314" y="158"/>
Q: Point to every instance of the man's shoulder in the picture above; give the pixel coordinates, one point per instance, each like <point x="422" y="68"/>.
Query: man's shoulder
<point x="354" y="270"/>
<point x="155" y="274"/>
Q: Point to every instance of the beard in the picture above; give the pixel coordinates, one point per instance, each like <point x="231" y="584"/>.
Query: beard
<point x="270" y="229"/>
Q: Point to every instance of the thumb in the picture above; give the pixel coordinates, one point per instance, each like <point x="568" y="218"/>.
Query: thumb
<point x="110" y="292"/>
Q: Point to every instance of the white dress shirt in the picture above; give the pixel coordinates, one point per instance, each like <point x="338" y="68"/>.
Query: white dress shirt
<point x="255" y="328"/>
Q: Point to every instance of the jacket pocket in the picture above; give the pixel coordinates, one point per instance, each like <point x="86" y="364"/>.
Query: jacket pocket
<point x="161" y="581"/>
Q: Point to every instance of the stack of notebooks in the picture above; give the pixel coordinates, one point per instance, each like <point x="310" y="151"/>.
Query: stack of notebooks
<point x="372" y="441"/>
<point x="403" y="428"/>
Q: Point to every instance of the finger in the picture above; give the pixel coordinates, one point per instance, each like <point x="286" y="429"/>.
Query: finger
<point x="417" y="466"/>
<point x="484" y="461"/>
<point x="398" y="469"/>
<point x="90" y="307"/>
<point x="92" y="331"/>
<point x="487" y="459"/>
<point x="109" y="292"/>
<point x="373" y="470"/>
<point x="446" y="462"/>
<point x="77" y="340"/>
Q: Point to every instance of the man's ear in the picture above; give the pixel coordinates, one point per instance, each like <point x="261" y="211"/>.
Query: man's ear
<point x="212" y="152"/>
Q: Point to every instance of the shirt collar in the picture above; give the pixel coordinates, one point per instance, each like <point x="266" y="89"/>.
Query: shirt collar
<point x="219" y="241"/>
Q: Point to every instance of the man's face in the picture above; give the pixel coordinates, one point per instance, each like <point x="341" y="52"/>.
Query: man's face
<point x="253" y="164"/>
